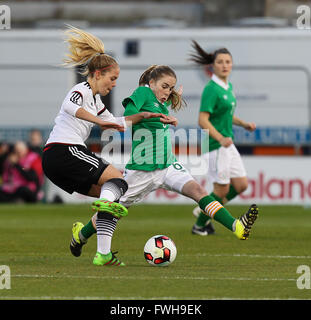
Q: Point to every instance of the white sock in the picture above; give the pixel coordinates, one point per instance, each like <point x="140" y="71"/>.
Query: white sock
<point x="110" y="191"/>
<point x="105" y="228"/>
<point x="103" y="244"/>
<point x="107" y="194"/>
<point x="234" y="225"/>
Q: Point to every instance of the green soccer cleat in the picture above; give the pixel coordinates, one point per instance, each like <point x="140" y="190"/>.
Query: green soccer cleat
<point x="114" y="208"/>
<point x="239" y="230"/>
<point x="244" y="224"/>
<point x="107" y="260"/>
<point x="76" y="244"/>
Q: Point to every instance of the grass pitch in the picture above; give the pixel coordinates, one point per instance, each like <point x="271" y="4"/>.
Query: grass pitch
<point x="34" y="243"/>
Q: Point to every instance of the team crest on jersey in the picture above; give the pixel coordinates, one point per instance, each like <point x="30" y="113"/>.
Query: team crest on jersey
<point x="76" y="97"/>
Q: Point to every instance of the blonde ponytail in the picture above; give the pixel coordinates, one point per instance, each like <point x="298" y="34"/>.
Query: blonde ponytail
<point x="86" y="49"/>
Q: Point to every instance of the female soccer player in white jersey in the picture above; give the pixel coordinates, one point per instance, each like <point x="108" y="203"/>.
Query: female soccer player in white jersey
<point x="153" y="165"/>
<point x="217" y="108"/>
<point x="66" y="160"/>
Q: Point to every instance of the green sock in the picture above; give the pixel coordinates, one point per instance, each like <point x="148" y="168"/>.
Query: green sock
<point x="216" y="197"/>
<point x="217" y="211"/>
<point x="232" y="193"/>
<point x="88" y="230"/>
<point x="203" y="218"/>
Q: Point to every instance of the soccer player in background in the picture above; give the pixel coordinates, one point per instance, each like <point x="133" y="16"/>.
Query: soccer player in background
<point x="217" y="108"/>
<point x="66" y="160"/>
<point x="156" y="167"/>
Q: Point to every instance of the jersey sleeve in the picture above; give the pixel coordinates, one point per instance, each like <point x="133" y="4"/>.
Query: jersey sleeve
<point x="130" y="109"/>
<point x="73" y="102"/>
<point x="208" y="100"/>
<point x="106" y="115"/>
<point x="138" y="98"/>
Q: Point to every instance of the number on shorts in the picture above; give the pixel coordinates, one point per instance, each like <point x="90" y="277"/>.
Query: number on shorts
<point x="177" y="166"/>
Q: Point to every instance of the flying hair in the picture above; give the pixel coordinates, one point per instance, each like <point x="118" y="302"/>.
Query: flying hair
<point x="202" y="57"/>
<point x="86" y="50"/>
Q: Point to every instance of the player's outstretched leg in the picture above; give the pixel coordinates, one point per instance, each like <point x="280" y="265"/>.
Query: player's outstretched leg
<point x="241" y="227"/>
<point x="107" y="260"/>
<point x="114" y="208"/>
<point x="244" y="224"/>
<point x="76" y="242"/>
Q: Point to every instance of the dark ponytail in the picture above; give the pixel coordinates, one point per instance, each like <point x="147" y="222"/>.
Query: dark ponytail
<point x="202" y="57"/>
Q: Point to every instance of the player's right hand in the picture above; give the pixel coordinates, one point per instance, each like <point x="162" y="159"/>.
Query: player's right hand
<point x="105" y="125"/>
<point x="169" y="120"/>
<point x="226" y="142"/>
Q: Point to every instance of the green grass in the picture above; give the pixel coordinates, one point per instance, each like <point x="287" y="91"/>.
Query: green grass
<point x="34" y="243"/>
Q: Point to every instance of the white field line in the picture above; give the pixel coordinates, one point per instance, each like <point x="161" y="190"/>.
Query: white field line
<point x="64" y="276"/>
<point x="252" y="256"/>
<point x="67" y="276"/>
<point x="179" y="277"/>
<point x="88" y="298"/>
<point x="136" y="298"/>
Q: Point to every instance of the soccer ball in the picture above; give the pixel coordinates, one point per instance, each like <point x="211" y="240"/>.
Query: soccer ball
<point x="160" y="251"/>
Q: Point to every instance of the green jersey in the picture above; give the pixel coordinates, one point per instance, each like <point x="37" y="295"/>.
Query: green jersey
<point x="151" y="140"/>
<point x="220" y="102"/>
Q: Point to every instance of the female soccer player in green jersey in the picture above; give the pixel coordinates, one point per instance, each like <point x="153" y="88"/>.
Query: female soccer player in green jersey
<point x="153" y="165"/>
<point x="217" y="108"/>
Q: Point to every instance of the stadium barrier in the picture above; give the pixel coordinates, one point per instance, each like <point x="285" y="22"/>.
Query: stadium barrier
<point x="272" y="180"/>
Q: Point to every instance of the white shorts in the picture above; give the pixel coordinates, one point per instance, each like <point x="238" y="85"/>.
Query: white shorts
<point x="224" y="164"/>
<point x="141" y="183"/>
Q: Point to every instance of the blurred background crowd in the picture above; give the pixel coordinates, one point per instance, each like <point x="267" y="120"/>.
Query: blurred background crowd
<point x="21" y="175"/>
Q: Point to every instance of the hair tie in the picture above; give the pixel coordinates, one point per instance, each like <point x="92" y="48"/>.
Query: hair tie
<point x="101" y="69"/>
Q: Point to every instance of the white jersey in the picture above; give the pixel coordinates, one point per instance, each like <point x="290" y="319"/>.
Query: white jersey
<point x="71" y="130"/>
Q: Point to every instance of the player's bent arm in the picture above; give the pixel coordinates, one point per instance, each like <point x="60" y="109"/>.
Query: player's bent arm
<point x="87" y="116"/>
<point x="239" y="122"/>
<point x="135" y="118"/>
<point x="251" y="126"/>
<point x="205" y="123"/>
<point x="82" y="114"/>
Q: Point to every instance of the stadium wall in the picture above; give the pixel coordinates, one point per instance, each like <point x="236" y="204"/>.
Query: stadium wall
<point x="272" y="180"/>
<point x="271" y="75"/>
